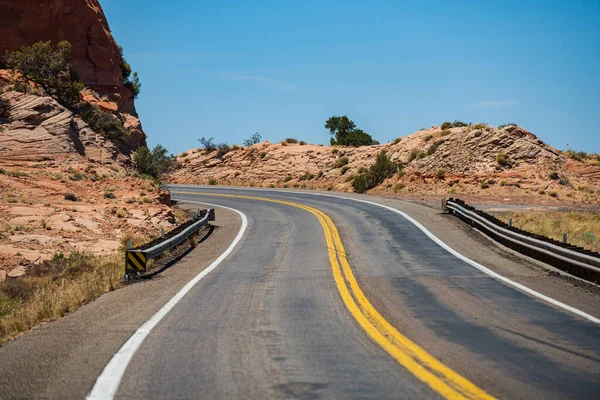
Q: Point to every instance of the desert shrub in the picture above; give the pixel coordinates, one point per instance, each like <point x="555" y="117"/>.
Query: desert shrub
<point x="334" y="151"/>
<point x="484" y="185"/>
<point x="306" y="177"/>
<point x="564" y="182"/>
<point x="132" y="82"/>
<point x="71" y="196"/>
<point x="344" y="169"/>
<point x="263" y="154"/>
<point x="505" y="125"/>
<point x="553" y="194"/>
<point x="208" y="144"/>
<point x="459" y="124"/>
<point x="432" y="149"/>
<point x="503" y="160"/>
<point x="554" y="176"/>
<point x="441" y="173"/>
<point x="480" y="126"/>
<point x="399" y="186"/>
<point x="302" y="143"/>
<point x="427" y="138"/>
<point x="213" y="182"/>
<point x="397" y="140"/>
<point x="340" y="162"/>
<point x="155" y="163"/>
<point x="445" y="132"/>
<point x="50" y="68"/>
<point x="287" y="178"/>
<point x="416" y="154"/>
<point x="446" y="125"/>
<point x="103" y="123"/>
<point x="78" y="176"/>
<point x="222" y="149"/>
<point x="184" y="154"/>
<point x="382" y="169"/>
<point x="255" y="138"/>
<point x="291" y="140"/>
<point x="477" y="134"/>
<point x="362" y="170"/>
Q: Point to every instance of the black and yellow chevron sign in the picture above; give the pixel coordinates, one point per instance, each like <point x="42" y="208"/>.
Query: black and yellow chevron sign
<point x="136" y="261"/>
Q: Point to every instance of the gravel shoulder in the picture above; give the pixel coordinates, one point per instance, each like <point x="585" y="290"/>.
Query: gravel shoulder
<point x="62" y="359"/>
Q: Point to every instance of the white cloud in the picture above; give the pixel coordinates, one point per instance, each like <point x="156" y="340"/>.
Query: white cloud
<point x="496" y="103"/>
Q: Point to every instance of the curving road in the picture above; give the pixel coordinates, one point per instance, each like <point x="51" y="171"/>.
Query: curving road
<point x="272" y="321"/>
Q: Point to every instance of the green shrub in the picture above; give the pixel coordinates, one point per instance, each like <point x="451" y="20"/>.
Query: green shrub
<point x="441" y="173"/>
<point x="208" y="144"/>
<point x="416" y="154"/>
<point x="71" y="196"/>
<point x="503" y="160"/>
<point x="445" y="132"/>
<point x="78" y="176"/>
<point x="344" y="133"/>
<point x="222" y="149"/>
<point x="51" y="69"/>
<point x="263" y="154"/>
<point x="340" y="162"/>
<point x="480" y="126"/>
<point x="432" y="149"/>
<point x="382" y="169"/>
<point x="446" y="125"/>
<point x="287" y="178"/>
<point x="554" y="176"/>
<point x="302" y="143"/>
<point x="427" y="138"/>
<point x="306" y="177"/>
<point x="103" y="123"/>
<point x="399" y="186"/>
<point x="109" y="195"/>
<point x="397" y="140"/>
<point x="505" y="125"/>
<point x="213" y="181"/>
<point x="334" y="151"/>
<point x="132" y="82"/>
<point x="155" y="163"/>
<point x="344" y="169"/>
<point x="291" y="140"/>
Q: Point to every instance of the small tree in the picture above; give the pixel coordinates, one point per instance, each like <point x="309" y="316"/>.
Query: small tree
<point x="50" y="68"/>
<point x="131" y="82"/>
<point x="255" y="138"/>
<point x="382" y="169"/>
<point x="344" y="133"/>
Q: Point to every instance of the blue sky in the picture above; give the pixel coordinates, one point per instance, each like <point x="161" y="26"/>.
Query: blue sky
<point x="282" y="67"/>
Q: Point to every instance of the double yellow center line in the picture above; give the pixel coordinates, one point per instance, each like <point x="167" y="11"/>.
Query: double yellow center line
<point x="421" y="364"/>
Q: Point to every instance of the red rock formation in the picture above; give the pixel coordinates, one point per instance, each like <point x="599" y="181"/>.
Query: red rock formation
<point x="82" y="22"/>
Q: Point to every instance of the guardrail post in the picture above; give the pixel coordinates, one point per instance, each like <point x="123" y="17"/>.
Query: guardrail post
<point x="162" y="233"/>
<point x="510" y="222"/>
<point x="564" y="238"/>
<point x="212" y="216"/>
<point x="444" y="205"/>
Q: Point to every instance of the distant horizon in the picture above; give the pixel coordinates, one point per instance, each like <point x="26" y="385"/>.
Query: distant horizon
<point x="230" y="69"/>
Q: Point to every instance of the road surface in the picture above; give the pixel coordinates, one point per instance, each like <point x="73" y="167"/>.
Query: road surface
<point x="325" y="297"/>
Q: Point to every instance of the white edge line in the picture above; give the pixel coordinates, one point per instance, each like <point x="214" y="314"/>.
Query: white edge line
<point x="107" y="383"/>
<point x="444" y="246"/>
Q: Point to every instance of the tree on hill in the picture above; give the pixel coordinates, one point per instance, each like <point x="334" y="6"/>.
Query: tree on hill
<point x="344" y="133"/>
<point x="154" y="163"/>
<point x="132" y="82"/>
<point x="50" y="68"/>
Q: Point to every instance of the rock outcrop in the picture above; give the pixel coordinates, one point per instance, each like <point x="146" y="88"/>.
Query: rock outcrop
<point x="37" y="128"/>
<point x="95" y="53"/>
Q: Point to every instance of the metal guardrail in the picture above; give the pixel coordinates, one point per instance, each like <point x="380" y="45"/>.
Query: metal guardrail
<point x="136" y="260"/>
<point x="572" y="259"/>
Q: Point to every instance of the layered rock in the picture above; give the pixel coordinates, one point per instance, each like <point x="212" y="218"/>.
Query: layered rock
<point x="37" y="128"/>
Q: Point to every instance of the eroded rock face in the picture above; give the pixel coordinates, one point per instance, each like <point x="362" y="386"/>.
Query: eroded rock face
<point x="37" y="128"/>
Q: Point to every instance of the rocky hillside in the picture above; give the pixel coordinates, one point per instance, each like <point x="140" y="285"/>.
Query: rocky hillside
<point x="95" y="53"/>
<point x="509" y="164"/>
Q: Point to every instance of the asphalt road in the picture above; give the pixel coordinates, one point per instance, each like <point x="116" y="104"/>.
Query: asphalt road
<point x="271" y="321"/>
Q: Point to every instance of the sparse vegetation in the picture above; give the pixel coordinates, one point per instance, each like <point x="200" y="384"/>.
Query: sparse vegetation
<point x="254" y="139"/>
<point x="291" y="141"/>
<point x="54" y="288"/>
<point x="132" y="82"/>
<point x="455" y="124"/>
<point x="213" y="182"/>
<point x="71" y="196"/>
<point x="432" y="149"/>
<point x="344" y="133"/>
<point x="416" y="154"/>
<point x="582" y="228"/>
<point x="582" y="156"/>
<point x="155" y="163"/>
<point x="344" y="169"/>
<point x="287" y="178"/>
<point x="222" y="149"/>
<point x="208" y="144"/>
<point x="103" y="123"/>
<point x="397" y="140"/>
<point x="399" y="186"/>
<point x="109" y="195"/>
<point x="382" y="169"/>
<point x="503" y="160"/>
<point x="306" y="177"/>
<point x="340" y="162"/>
<point x="441" y="173"/>
<point x="505" y="125"/>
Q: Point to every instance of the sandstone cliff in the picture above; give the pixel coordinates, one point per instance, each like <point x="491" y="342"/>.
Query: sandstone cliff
<point x="95" y="53"/>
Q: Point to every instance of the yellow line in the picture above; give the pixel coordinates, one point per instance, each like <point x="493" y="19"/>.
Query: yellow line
<point x="424" y="366"/>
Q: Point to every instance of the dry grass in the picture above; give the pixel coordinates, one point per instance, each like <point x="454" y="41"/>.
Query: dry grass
<point x="582" y="228"/>
<point x="54" y="289"/>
